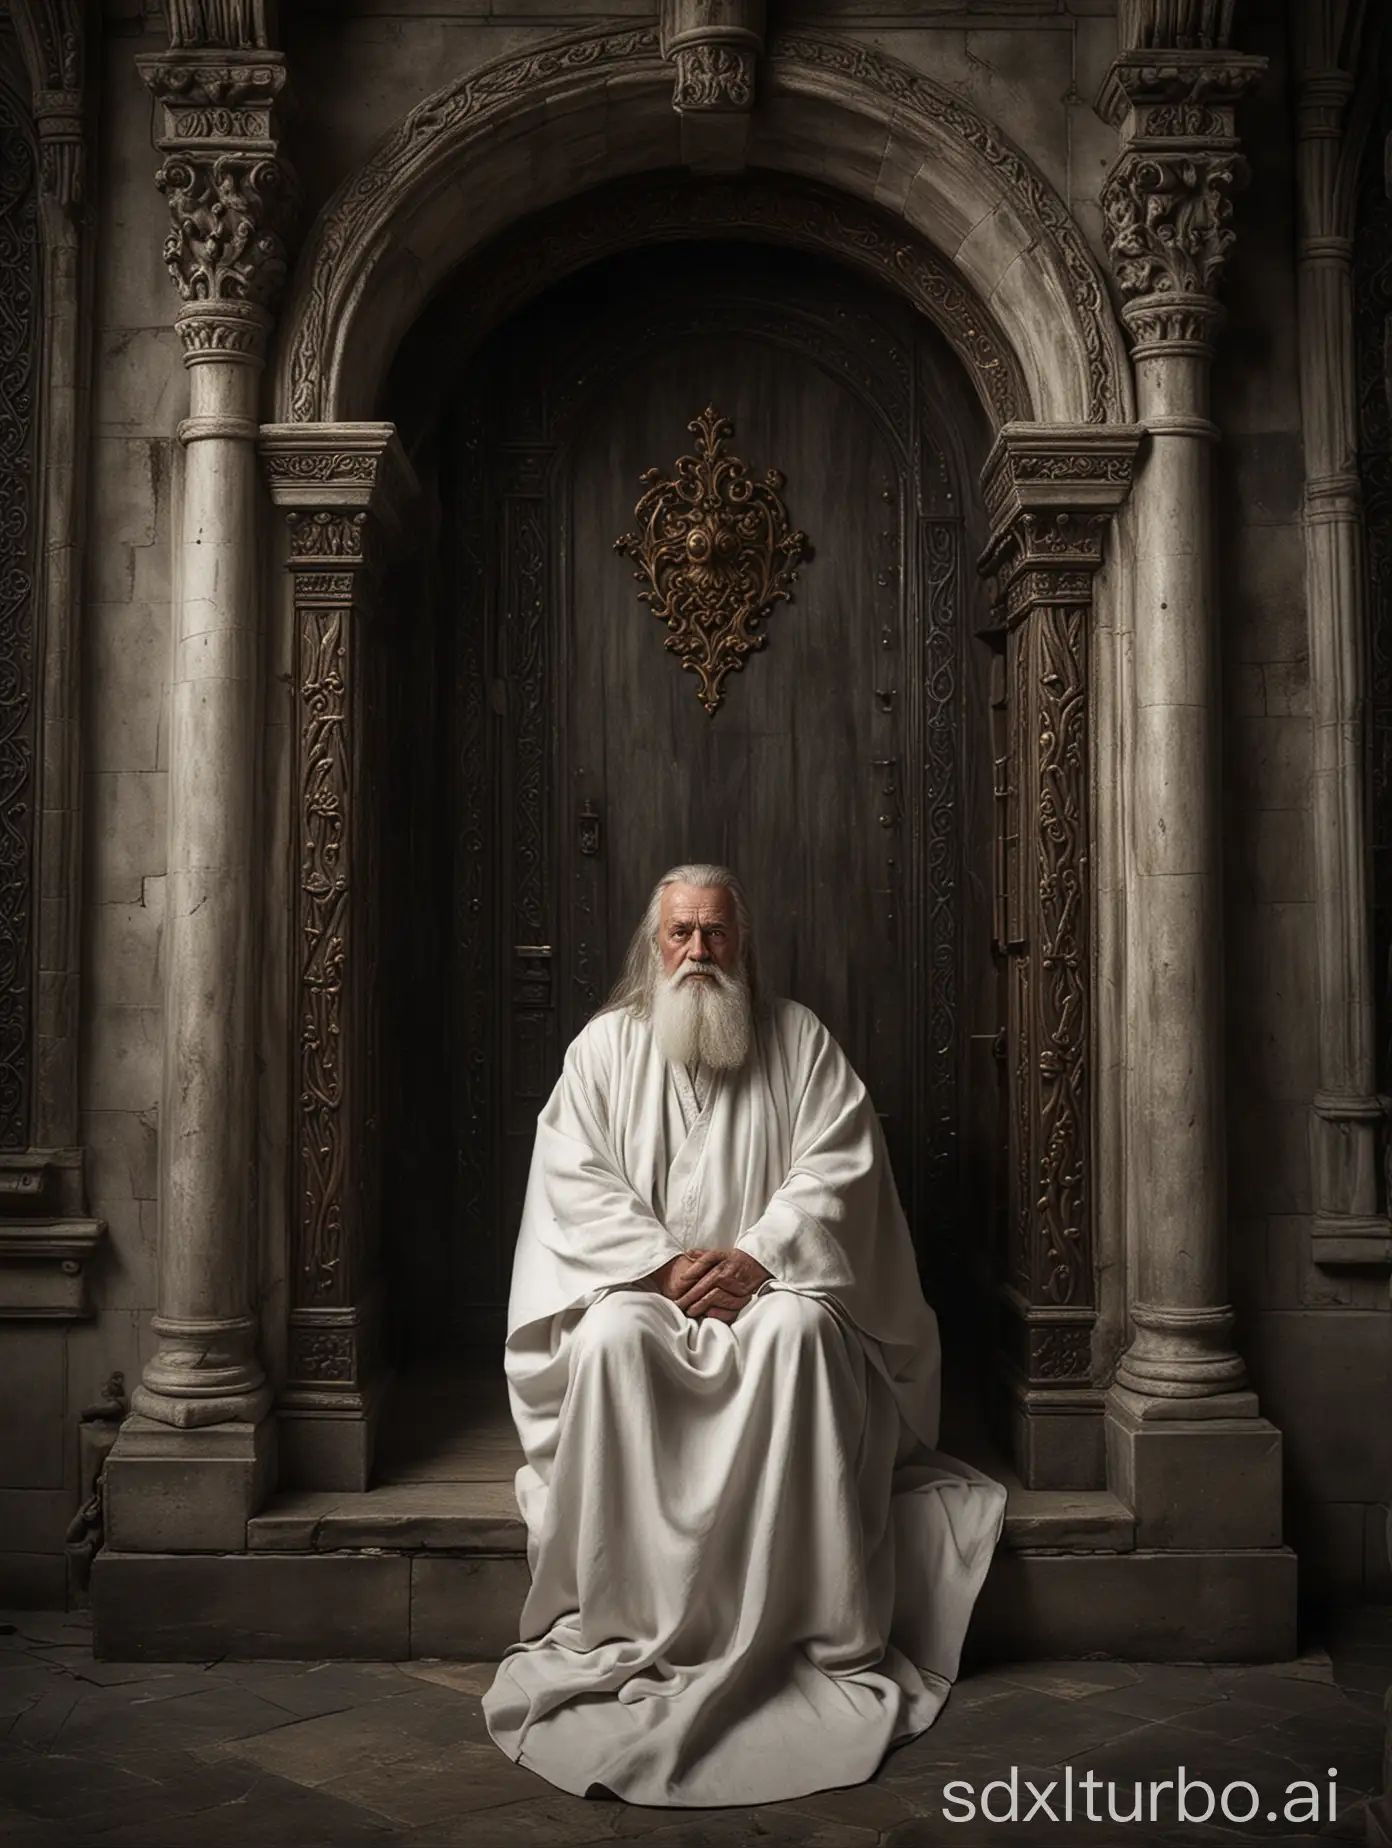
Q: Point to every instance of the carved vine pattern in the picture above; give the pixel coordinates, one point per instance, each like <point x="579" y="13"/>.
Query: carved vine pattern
<point x="1019" y="794"/>
<point x="358" y="211"/>
<point x="19" y="348"/>
<point x="714" y="77"/>
<point x="325" y="1355"/>
<point x="1061" y="955"/>
<point x="1060" y="1353"/>
<point x="715" y="551"/>
<point x="1372" y="328"/>
<point x="324" y="693"/>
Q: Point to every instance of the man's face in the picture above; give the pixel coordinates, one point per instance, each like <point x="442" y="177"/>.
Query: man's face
<point x="698" y="928"/>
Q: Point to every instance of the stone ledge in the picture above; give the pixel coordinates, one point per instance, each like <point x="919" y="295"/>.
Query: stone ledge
<point x="43" y="1268"/>
<point x="482" y="1517"/>
<point x="460" y="1517"/>
<point x="1073" y="1520"/>
<point x="1342" y="1242"/>
<point x="1192" y="1607"/>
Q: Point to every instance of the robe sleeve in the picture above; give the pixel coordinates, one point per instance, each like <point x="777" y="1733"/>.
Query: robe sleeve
<point x="584" y="1229"/>
<point x="835" y="1226"/>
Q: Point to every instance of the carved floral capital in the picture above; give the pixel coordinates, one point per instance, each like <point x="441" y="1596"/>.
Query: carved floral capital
<point x="1165" y="221"/>
<point x="228" y="213"/>
<point x="231" y="197"/>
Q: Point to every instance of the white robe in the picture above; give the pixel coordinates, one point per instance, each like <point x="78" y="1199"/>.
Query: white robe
<point x="751" y="1573"/>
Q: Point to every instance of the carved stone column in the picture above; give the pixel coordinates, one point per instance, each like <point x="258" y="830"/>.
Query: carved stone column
<point x="229" y="197"/>
<point x="715" y="46"/>
<point x="1347" y="1114"/>
<point x="1050" y="493"/>
<point x="46" y="1236"/>
<point x="1166" y="207"/>
<point x="344" y="488"/>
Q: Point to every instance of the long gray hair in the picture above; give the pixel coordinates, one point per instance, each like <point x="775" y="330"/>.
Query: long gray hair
<point x="642" y="961"/>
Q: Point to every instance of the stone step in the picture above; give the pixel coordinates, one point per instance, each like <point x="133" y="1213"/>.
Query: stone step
<point x="482" y="1517"/>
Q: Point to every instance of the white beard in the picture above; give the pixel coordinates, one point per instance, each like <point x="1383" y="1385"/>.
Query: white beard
<point x="703" y="1021"/>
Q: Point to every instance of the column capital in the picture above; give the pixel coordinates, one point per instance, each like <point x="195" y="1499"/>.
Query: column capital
<point x="231" y="196"/>
<point x="334" y="480"/>
<point x="1050" y="492"/>
<point x="1165" y="96"/>
<point x="1168" y="199"/>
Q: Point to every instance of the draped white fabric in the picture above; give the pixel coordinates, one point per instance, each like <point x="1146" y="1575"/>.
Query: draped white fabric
<point x="751" y="1572"/>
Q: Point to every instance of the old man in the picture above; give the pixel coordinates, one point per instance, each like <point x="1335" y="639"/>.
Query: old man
<point x="751" y="1573"/>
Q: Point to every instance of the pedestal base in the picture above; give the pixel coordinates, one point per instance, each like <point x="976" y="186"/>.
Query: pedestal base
<point x="171" y="1490"/>
<point x="1211" y="1482"/>
<point x="327" y="1440"/>
<point x="1056" y="1438"/>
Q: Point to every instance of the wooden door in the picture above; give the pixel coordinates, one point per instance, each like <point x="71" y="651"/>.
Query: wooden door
<point x="832" y="773"/>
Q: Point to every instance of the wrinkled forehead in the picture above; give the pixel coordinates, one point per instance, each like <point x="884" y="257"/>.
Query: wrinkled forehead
<point x="704" y="905"/>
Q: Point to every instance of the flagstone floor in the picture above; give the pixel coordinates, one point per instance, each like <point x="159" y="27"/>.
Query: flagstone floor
<point x="251" y="1755"/>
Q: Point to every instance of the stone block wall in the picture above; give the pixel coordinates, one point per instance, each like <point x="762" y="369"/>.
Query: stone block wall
<point x="1318" y="1342"/>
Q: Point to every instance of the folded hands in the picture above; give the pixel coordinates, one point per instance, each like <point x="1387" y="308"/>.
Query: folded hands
<point x="713" y="1283"/>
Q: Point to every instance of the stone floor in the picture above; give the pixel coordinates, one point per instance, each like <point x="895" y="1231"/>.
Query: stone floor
<point x="245" y="1755"/>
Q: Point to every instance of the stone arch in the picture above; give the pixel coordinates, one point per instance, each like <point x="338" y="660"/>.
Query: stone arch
<point x="528" y="131"/>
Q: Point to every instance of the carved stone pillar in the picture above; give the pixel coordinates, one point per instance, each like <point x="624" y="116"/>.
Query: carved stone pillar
<point x="343" y="488"/>
<point x="229" y="198"/>
<point x="715" y="46"/>
<point x="1166" y="207"/>
<point x="1347" y="1114"/>
<point x="1050" y="493"/>
<point x="46" y="1237"/>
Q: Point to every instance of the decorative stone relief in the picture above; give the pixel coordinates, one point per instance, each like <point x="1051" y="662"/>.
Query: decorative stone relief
<point x="347" y="243"/>
<point x="225" y="243"/>
<point x="20" y="314"/>
<point x="714" y="46"/>
<point x="713" y="77"/>
<point x="52" y="40"/>
<point x="1165" y="220"/>
<point x="52" y="33"/>
<point x="231" y="197"/>
<point x="341" y="488"/>
<point x="1050" y="494"/>
<point x="1167" y="201"/>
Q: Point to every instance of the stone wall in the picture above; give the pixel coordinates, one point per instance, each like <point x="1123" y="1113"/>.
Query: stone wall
<point x="1318" y="1342"/>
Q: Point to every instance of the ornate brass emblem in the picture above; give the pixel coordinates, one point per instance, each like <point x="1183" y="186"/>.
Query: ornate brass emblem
<point x="715" y="552"/>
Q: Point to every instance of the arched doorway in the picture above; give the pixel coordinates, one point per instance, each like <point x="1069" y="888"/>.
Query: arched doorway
<point x="846" y="769"/>
<point x="365" y="294"/>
